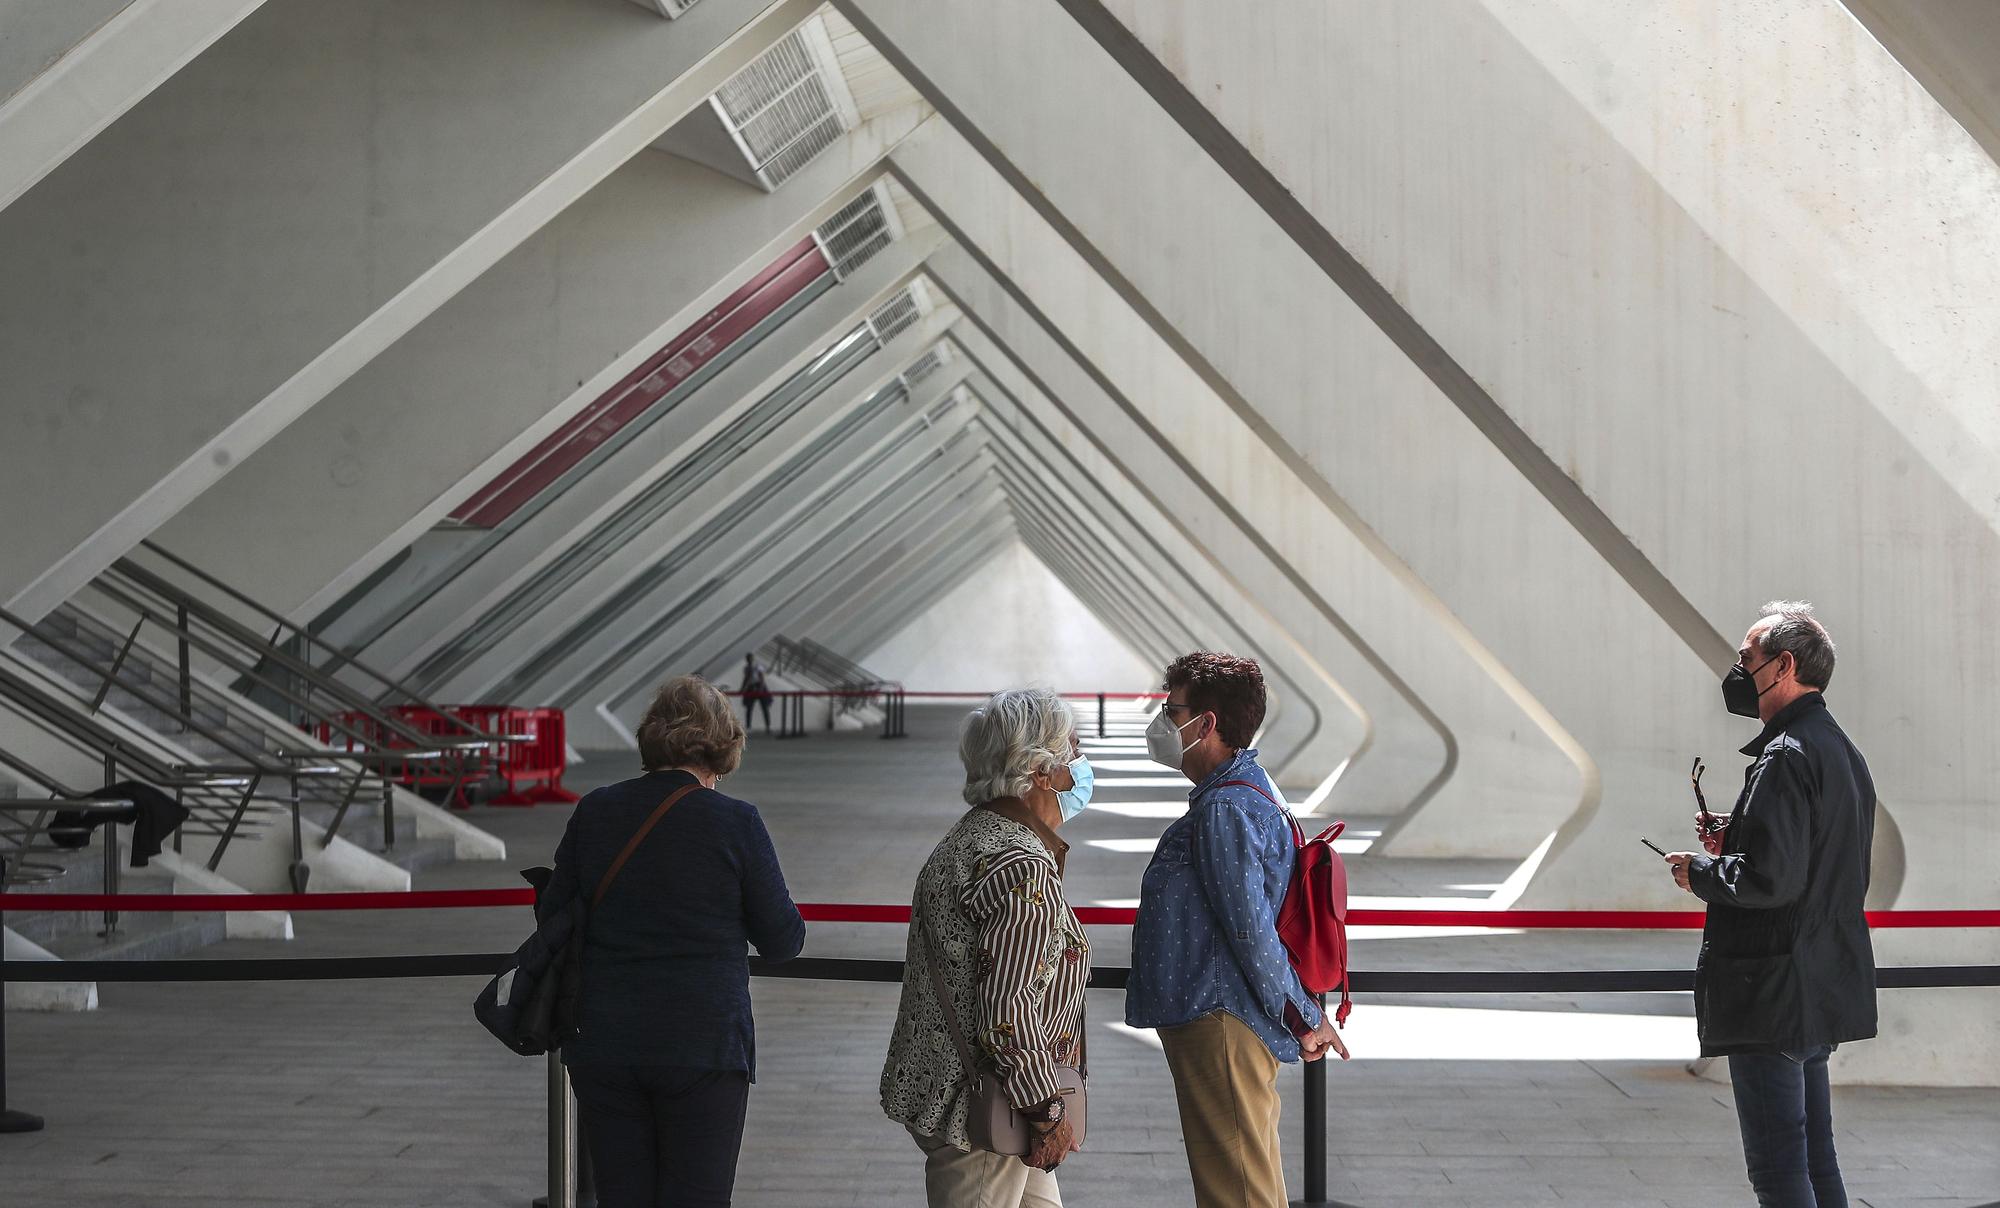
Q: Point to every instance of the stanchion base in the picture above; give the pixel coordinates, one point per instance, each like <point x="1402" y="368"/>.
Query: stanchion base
<point x="582" y="1201"/>
<point x="19" y="1122"/>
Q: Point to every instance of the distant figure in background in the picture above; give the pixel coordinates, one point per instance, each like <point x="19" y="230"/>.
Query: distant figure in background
<point x="755" y="691"/>
<point x="665" y="1050"/>
<point x="1786" y="971"/>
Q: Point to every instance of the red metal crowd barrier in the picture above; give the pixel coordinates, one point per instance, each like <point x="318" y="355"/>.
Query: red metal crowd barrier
<point x="538" y="763"/>
<point x="453" y="773"/>
<point x="531" y="767"/>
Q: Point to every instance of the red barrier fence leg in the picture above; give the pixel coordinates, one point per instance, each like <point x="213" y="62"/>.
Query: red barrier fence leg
<point x="538" y="764"/>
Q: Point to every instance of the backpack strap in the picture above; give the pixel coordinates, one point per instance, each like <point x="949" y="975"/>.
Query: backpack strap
<point x="638" y="837"/>
<point x="1298" y="836"/>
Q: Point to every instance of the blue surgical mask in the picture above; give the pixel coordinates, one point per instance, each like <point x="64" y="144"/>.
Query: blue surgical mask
<point x="1076" y="798"/>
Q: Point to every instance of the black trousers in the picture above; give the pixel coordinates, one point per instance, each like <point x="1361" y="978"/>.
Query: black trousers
<point x="661" y="1136"/>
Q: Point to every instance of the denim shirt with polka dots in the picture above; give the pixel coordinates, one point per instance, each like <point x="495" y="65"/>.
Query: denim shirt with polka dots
<point x="1207" y="934"/>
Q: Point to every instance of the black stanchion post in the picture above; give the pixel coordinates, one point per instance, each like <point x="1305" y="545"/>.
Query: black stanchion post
<point x="1315" y="1121"/>
<point x="10" y="1121"/>
<point x="1100" y="715"/>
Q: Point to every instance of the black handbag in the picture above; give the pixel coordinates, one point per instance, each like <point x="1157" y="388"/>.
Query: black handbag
<point x="532" y="1005"/>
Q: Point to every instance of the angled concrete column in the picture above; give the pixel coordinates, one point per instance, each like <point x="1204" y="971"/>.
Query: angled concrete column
<point x="69" y="69"/>
<point x="969" y="530"/>
<point x="939" y="490"/>
<point x="1359" y="620"/>
<point x="1147" y="571"/>
<point x="1318" y="725"/>
<point x="1597" y="549"/>
<point x="1200" y="251"/>
<point x="708" y="564"/>
<point x="1323" y="586"/>
<point x="284" y="208"/>
<point x="1165" y="638"/>
<point x="560" y="320"/>
<point x="918" y="481"/>
<point x="1950" y="47"/>
<point x="439" y="609"/>
<point x="852" y="597"/>
<point x="1889" y="257"/>
<point x="711" y="637"/>
<point x="569" y="629"/>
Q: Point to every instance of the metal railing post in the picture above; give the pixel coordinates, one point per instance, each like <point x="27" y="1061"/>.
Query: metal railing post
<point x="300" y="873"/>
<point x="1100" y="715"/>
<point x="10" y="1121"/>
<point x="562" y="1136"/>
<point x="110" y="832"/>
<point x="388" y="813"/>
<point x="187" y="678"/>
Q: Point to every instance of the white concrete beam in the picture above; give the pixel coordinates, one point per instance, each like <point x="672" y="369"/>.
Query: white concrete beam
<point x="69" y="69"/>
<point x="301" y="195"/>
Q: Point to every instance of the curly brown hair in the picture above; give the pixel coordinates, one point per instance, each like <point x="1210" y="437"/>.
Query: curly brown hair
<point x="690" y="725"/>
<point x="1227" y="685"/>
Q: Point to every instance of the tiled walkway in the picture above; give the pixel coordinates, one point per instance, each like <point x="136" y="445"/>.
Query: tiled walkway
<point x="387" y="1093"/>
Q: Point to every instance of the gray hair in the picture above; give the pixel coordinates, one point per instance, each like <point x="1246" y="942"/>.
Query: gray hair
<point x="1794" y="629"/>
<point x="1012" y="736"/>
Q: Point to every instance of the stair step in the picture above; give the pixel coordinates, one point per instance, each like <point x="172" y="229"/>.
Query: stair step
<point x="141" y="937"/>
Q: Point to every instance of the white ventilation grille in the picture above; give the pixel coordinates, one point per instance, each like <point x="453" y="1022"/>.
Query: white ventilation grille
<point x="952" y="398"/>
<point x="895" y="316"/>
<point x="667" y="8"/>
<point x="858" y="230"/>
<point x="926" y="365"/>
<point x="787" y="106"/>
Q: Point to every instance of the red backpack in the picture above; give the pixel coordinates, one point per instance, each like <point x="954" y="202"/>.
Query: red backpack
<point x="1312" y="922"/>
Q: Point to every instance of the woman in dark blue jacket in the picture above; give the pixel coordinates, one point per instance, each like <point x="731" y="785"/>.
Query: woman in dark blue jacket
<point x="664" y="1052"/>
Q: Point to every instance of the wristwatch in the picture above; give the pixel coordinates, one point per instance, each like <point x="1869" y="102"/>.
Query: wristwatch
<point x="1050" y="1113"/>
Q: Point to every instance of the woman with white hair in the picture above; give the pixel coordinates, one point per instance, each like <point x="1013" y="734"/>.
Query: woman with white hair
<point x="997" y="962"/>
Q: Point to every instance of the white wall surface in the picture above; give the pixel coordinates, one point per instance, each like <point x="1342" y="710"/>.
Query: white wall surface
<point x="1010" y="623"/>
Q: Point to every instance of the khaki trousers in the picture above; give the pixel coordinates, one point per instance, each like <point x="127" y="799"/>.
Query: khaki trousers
<point x="954" y="1178"/>
<point x="1226" y="1081"/>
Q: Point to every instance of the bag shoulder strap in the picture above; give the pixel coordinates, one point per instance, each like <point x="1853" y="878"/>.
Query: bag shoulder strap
<point x="1259" y="789"/>
<point x="943" y="993"/>
<point x="638" y="837"/>
<point x="1298" y="836"/>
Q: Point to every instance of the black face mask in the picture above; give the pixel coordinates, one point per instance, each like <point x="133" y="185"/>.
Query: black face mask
<point x="1739" y="690"/>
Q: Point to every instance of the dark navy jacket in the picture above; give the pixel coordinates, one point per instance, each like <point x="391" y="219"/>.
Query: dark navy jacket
<point x="1786" y="963"/>
<point x="666" y="975"/>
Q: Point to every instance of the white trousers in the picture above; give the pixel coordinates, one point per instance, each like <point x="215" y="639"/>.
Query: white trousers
<point x="954" y="1178"/>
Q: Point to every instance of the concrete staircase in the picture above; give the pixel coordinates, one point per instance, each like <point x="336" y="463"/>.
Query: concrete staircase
<point x="146" y="674"/>
<point x="81" y="934"/>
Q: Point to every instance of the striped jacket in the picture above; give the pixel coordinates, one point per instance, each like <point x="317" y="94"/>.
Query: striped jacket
<point x="1014" y="960"/>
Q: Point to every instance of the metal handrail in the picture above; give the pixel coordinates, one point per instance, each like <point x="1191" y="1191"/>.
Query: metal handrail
<point x="830" y="669"/>
<point x="179" y="707"/>
<point x="191" y="686"/>
<point x="82" y="733"/>
<point x="340" y="656"/>
<point x="44" y="811"/>
<point x="245" y="653"/>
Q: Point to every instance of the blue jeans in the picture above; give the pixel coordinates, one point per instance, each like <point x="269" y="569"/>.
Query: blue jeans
<point x="1786" y="1114"/>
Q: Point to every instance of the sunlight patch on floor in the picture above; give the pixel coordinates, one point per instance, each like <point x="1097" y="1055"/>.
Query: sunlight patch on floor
<point x="1400" y="1033"/>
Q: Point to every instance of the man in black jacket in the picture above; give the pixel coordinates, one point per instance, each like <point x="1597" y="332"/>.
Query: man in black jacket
<point x="1786" y="970"/>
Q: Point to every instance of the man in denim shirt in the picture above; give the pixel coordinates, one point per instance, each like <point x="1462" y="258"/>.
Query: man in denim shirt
<point x="1208" y="969"/>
